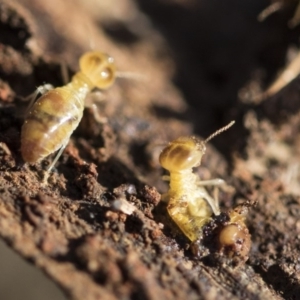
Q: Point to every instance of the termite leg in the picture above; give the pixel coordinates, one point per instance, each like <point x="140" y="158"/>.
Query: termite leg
<point x="47" y="172"/>
<point x="216" y="196"/>
<point x="91" y="103"/>
<point x="213" y="202"/>
<point x="95" y="110"/>
<point x="59" y="153"/>
<point x="214" y="182"/>
<point x="42" y="89"/>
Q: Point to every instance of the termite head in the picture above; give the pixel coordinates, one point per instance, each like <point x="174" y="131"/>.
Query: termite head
<point x="186" y="152"/>
<point x="99" y="68"/>
<point x="182" y="154"/>
<point x="235" y="240"/>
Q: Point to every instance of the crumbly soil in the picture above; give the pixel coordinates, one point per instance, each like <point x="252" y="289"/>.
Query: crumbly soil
<point x="193" y="66"/>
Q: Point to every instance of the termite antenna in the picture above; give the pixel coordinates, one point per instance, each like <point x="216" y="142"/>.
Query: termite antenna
<point x="131" y="75"/>
<point x="219" y="131"/>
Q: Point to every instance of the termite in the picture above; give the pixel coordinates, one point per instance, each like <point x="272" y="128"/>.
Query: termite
<point x="189" y="204"/>
<point x="192" y="208"/>
<point x="234" y="239"/>
<point x="227" y="234"/>
<point x="56" y="114"/>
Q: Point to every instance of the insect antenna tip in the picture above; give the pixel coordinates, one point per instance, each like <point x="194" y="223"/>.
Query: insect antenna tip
<point x="219" y="131"/>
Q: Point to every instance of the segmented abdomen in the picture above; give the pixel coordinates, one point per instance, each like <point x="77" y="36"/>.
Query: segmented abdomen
<point x="50" y="122"/>
<point x="186" y="206"/>
<point x="190" y="224"/>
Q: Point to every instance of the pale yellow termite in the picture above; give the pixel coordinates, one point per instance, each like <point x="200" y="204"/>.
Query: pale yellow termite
<point x="189" y="204"/>
<point x="56" y="114"/>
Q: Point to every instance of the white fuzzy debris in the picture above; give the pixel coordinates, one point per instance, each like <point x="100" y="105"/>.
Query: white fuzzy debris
<point x="123" y="205"/>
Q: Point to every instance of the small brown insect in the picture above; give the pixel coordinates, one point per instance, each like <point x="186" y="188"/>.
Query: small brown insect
<point x="56" y="114"/>
<point x="234" y="238"/>
<point x="226" y="234"/>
